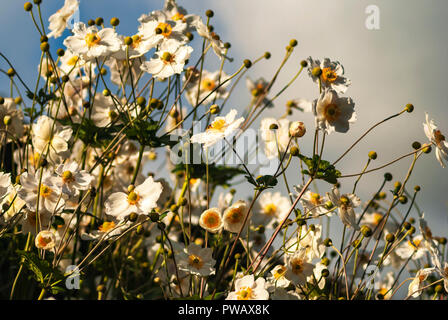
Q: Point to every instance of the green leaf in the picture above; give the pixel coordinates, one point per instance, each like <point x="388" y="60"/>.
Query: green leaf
<point x="39" y="268"/>
<point x="320" y="169"/>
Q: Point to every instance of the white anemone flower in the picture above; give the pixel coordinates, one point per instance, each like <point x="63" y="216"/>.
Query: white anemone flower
<point x="50" y="138"/>
<point x="169" y="60"/>
<point x="346" y="204"/>
<point x="275" y="140"/>
<point x="212" y="87"/>
<point x="141" y="200"/>
<point x="332" y="75"/>
<point x="220" y="128"/>
<point x="313" y="203"/>
<point x="438" y="139"/>
<point x="90" y="43"/>
<point x="211" y="220"/>
<point x="45" y="240"/>
<point x="158" y="28"/>
<point x="247" y="288"/>
<point x="59" y="20"/>
<point x="177" y="13"/>
<point x="72" y="180"/>
<point x="216" y="43"/>
<point x="196" y="260"/>
<point x="234" y="216"/>
<point x="32" y="224"/>
<point x="270" y="208"/>
<point x="50" y="197"/>
<point x="5" y="185"/>
<point x="277" y="277"/>
<point x="417" y="247"/>
<point x="104" y="111"/>
<point x="333" y="113"/>
<point x="299" y="267"/>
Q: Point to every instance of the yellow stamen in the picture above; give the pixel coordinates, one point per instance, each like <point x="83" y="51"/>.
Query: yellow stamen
<point x="270" y="209"/>
<point x="195" y="261"/>
<point x="133" y="198"/>
<point x="106" y="226"/>
<point x="245" y="293"/>
<point x="45" y="191"/>
<point x="331" y="112"/>
<point x="166" y="29"/>
<point x="329" y="75"/>
<point x="92" y="39"/>
<point x="217" y="125"/>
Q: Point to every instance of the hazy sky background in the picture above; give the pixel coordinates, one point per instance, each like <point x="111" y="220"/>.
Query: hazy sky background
<point x="405" y="61"/>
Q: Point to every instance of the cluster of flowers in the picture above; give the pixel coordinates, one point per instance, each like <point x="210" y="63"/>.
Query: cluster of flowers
<point x="72" y="177"/>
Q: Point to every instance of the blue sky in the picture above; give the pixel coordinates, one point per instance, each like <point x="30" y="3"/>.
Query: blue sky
<point x="404" y="61"/>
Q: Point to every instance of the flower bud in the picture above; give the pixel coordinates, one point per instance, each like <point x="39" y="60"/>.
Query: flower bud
<point x="114" y="21"/>
<point x="60" y="52"/>
<point x="325" y="261"/>
<point x="442" y="241"/>
<point x="297" y="129"/>
<point x="2" y="100"/>
<point x="209" y="13"/>
<point x="44" y="46"/>
<point x="366" y="231"/>
<point x="409" y="108"/>
<point x="247" y="63"/>
<point x="328" y="242"/>
<point x="141" y="101"/>
<point x="417" y="188"/>
<point x="18" y="100"/>
<point x="273" y="126"/>
<point x="372" y="155"/>
<point x="37" y="1"/>
<point x="294" y="151"/>
<point x="293" y="42"/>
<point x="7" y="120"/>
<point x="91" y="22"/>
<point x="99" y="21"/>
<point x="106" y="92"/>
<point x="427" y="148"/>
<point x="388" y="176"/>
<point x="28" y="6"/>
<point x="390" y="237"/>
<point x="267" y="55"/>
<point x="11" y="72"/>
<point x="407" y="225"/>
<point x="356" y="244"/>
<point x="189" y="36"/>
<point x="403" y="199"/>
<point x="316" y="72"/>
<point x="133" y="217"/>
<point x="128" y="41"/>
<point x="325" y="273"/>
<point x="214" y="109"/>
<point x="304" y="63"/>
<point x="140" y="230"/>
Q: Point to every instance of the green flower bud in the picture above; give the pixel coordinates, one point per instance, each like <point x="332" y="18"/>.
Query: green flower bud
<point x="416" y="145"/>
<point x="133" y="217"/>
<point x="189" y="36"/>
<point x="304" y="63"/>
<point x="99" y="21"/>
<point x="214" y="109"/>
<point x="101" y="288"/>
<point x="390" y="237"/>
<point x="141" y="101"/>
<point x="103" y="71"/>
<point x="91" y="22"/>
<point x="356" y="244"/>
<point x="183" y="202"/>
<point x="388" y="176"/>
<point x="43" y="38"/>
<point x="427" y="149"/>
<point x="372" y="155"/>
<point x="294" y="151"/>
<point x="38" y="2"/>
<point x="403" y="199"/>
<point x="44" y="46"/>
<point x="301" y="222"/>
<point x="247" y="63"/>
<point x="227" y="45"/>
<point x="293" y="42"/>
<point x="60" y="52"/>
<point x="18" y="100"/>
<point x="409" y="107"/>
<point x="237" y="256"/>
<point x="232" y="191"/>
<point x="366" y="231"/>
<point x="412" y="230"/>
<point x="325" y="261"/>
<point x="2" y="100"/>
<point x="7" y="120"/>
<point x="128" y="41"/>
<point x="328" y="242"/>
<point x="28" y="6"/>
<point x="209" y="13"/>
<point x="417" y="188"/>
<point x="442" y="240"/>
<point x="114" y="21"/>
<point x="316" y="72"/>
<point x="11" y="72"/>
<point x="411" y="220"/>
<point x="161" y="226"/>
<point x="407" y="225"/>
<point x="267" y="55"/>
<point x="106" y="92"/>
<point x="273" y="126"/>
<point x="325" y="273"/>
<point x="174" y="207"/>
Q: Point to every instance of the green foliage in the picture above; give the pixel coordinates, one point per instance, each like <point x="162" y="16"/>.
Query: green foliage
<point x="320" y="169"/>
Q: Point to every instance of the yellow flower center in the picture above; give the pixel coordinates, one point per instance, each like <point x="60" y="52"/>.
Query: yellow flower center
<point x="279" y="272"/>
<point x="92" y="39"/>
<point x="331" y="112"/>
<point x="270" y="209"/>
<point x="112" y="115"/>
<point x="208" y="84"/>
<point x="245" y="293"/>
<point x="383" y="291"/>
<point x="165" y="28"/>
<point x="438" y="137"/>
<point x="377" y="217"/>
<point x="43" y="241"/>
<point x="217" y="125"/>
<point x="329" y="75"/>
<point x="297" y="266"/>
<point x="235" y="215"/>
<point x="178" y="16"/>
<point x="45" y="191"/>
<point x="414" y="244"/>
<point x="133" y="198"/>
<point x="195" y="261"/>
<point x="211" y="219"/>
<point x="167" y="57"/>
<point x="72" y="61"/>
<point x="106" y="226"/>
<point x="67" y="176"/>
<point x="345" y="201"/>
<point x="315" y="198"/>
<point x="136" y="41"/>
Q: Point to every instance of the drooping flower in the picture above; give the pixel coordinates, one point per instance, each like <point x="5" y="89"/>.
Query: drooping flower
<point x="90" y="43"/>
<point x="234" y="216"/>
<point x="346" y="204"/>
<point x="438" y="139"/>
<point x="332" y="75"/>
<point x="33" y="223"/>
<point x="220" y="128"/>
<point x="416" y="286"/>
<point x="59" y="20"/>
<point x="45" y="240"/>
<point x="333" y="113"/>
<point x="247" y="288"/>
<point x="169" y="60"/>
<point x="50" y="138"/>
<point x="275" y="140"/>
<point x="211" y="220"/>
<point x="141" y="200"/>
<point x="196" y="260"/>
<point x="215" y="41"/>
